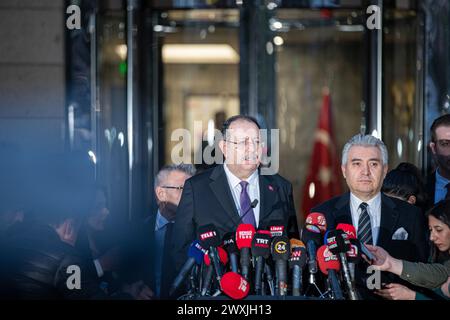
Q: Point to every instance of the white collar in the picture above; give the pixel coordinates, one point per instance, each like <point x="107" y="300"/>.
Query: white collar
<point x="234" y="181"/>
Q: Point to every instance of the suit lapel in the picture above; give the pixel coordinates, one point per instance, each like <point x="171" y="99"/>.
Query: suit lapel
<point x="267" y="197"/>
<point x="388" y="220"/>
<point x="221" y="189"/>
<point x="342" y="213"/>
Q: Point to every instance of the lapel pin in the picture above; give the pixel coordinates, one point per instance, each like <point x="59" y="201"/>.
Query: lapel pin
<point x="270" y="187"/>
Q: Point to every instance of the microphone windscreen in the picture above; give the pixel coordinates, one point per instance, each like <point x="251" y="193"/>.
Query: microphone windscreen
<point x="348" y="229"/>
<point x="229" y="242"/>
<point x="296" y="243"/>
<point x="354" y="254"/>
<point x="208" y="236"/>
<point x="337" y="241"/>
<point x="327" y="260"/>
<point x="223" y="257"/>
<point x="244" y="235"/>
<point x="280" y="248"/>
<point x="197" y="252"/>
<point x="298" y="257"/>
<point x="234" y="285"/>
<point x="313" y="235"/>
<point x="261" y="244"/>
<point x="317" y="219"/>
<point x="277" y="228"/>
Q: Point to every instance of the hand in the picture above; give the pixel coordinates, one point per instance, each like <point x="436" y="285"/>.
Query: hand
<point x="138" y="290"/>
<point x="395" y="291"/>
<point x="383" y="261"/>
<point x="444" y="288"/>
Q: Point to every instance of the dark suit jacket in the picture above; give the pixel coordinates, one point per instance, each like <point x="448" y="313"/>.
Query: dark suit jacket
<point x="207" y="199"/>
<point x="431" y="188"/>
<point x="394" y="215"/>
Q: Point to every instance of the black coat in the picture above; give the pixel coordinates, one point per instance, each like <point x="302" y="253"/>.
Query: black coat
<point x="207" y="199"/>
<point x="394" y="215"/>
<point x="36" y="263"/>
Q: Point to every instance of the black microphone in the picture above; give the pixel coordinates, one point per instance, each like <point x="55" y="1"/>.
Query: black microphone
<point x="269" y="278"/>
<point x="312" y="237"/>
<point x="297" y="262"/>
<point x="260" y="252"/>
<point x="209" y="238"/>
<point x="280" y="254"/>
<point x="329" y="265"/>
<point x="338" y="244"/>
<point x="229" y="244"/>
<point x="207" y="280"/>
<point x="253" y="205"/>
<point x="195" y="254"/>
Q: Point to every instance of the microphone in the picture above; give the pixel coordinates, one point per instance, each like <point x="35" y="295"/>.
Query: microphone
<point x="338" y="244"/>
<point x="223" y="257"/>
<point x="244" y="236"/>
<point x="269" y="278"/>
<point x="329" y="265"/>
<point x="209" y="238"/>
<point x="317" y="219"/>
<point x="312" y="237"/>
<point x="229" y="244"/>
<point x="253" y="205"/>
<point x="277" y="228"/>
<point x="280" y="254"/>
<point x="195" y="256"/>
<point x="260" y="251"/>
<point x="297" y="262"/>
<point x="354" y="253"/>
<point x="234" y="285"/>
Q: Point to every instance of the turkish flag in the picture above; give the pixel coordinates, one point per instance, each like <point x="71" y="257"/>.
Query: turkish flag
<point x="324" y="176"/>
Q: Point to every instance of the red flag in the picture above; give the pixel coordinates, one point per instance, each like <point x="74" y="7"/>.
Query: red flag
<point x="323" y="179"/>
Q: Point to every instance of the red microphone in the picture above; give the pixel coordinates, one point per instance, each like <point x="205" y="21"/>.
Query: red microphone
<point x="317" y="219"/>
<point x="244" y="237"/>
<point x="223" y="257"/>
<point x="348" y="229"/>
<point x="234" y="285"/>
<point x="329" y="265"/>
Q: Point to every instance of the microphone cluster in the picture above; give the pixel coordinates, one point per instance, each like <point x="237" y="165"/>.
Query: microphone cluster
<point x="265" y="262"/>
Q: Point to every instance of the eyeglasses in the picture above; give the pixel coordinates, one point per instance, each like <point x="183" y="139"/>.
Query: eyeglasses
<point x="172" y="187"/>
<point x="444" y="143"/>
<point x="246" y="142"/>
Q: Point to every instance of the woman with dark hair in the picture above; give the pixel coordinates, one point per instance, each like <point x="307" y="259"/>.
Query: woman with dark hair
<point x="428" y="275"/>
<point x="405" y="183"/>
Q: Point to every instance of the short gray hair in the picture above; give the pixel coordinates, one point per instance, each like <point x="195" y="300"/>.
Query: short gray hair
<point x="365" y="141"/>
<point x="162" y="175"/>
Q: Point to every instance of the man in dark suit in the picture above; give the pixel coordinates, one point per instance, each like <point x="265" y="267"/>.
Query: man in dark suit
<point x="169" y="183"/>
<point x="222" y="194"/>
<point x="438" y="183"/>
<point x="378" y="219"/>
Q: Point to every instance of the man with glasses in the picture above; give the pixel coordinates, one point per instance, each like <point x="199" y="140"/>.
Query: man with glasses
<point x="169" y="184"/>
<point x="225" y="194"/>
<point x="438" y="183"/>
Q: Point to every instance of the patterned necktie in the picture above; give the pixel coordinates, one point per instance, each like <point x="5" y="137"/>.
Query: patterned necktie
<point x="447" y="195"/>
<point x="364" y="225"/>
<point x="245" y="202"/>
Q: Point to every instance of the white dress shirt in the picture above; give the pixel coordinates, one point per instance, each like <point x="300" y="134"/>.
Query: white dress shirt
<point x="374" y="210"/>
<point x="252" y="190"/>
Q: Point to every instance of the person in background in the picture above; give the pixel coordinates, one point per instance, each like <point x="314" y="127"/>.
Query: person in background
<point x="405" y="183"/>
<point x="169" y="183"/>
<point x="438" y="183"/>
<point x="428" y="275"/>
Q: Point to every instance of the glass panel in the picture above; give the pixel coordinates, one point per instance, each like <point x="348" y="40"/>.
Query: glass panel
<point x="111" y="111"/>
<point x="402" y="111"/>
<point x="316" y="51"/>
<point x="200" y="55"/>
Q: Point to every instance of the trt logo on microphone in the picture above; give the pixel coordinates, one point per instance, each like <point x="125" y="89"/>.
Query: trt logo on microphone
<point x="262" y="242"/>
